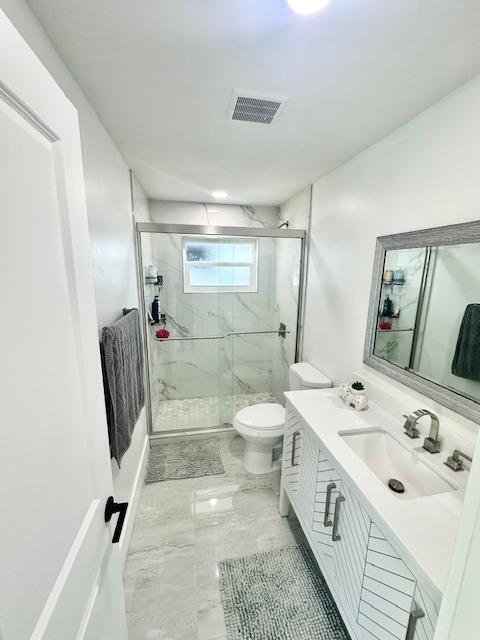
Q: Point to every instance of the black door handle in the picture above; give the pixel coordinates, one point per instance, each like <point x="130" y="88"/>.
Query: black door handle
<point x="111" y="508"/>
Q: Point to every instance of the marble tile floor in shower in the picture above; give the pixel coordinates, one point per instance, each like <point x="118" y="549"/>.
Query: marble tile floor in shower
<point x="182" y="529"/>
<point x="207" y="412"/>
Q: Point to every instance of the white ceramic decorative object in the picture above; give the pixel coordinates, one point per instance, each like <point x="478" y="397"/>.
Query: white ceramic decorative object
<point x="356" y="398"/>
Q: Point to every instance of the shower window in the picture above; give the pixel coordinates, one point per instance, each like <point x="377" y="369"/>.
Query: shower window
<point x="222" y="265"/>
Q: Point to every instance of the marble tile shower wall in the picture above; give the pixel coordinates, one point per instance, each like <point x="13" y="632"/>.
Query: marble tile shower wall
<point x="239" y="364"/>
<point x="222" y="215"/>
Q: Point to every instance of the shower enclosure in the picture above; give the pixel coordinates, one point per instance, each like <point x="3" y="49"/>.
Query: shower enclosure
<point x="230" y="299"/>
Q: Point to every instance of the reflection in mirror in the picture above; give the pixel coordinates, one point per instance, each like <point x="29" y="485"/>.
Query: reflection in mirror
<point x="398" y="304"/>
<point x="429" y="315"/>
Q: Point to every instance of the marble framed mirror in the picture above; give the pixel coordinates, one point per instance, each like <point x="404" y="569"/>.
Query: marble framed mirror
<point x="423" y="326"/>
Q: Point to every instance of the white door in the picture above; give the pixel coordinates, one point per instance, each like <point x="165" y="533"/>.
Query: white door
<point x="59" y="572"/>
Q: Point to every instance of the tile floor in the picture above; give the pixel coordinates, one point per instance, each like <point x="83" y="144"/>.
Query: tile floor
<point x="203" y="413"/>
<point x="182" y="529"/>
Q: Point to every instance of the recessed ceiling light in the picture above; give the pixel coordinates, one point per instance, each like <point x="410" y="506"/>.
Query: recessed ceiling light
<point x="219" y="194"/>
<point x="307" y="6"/>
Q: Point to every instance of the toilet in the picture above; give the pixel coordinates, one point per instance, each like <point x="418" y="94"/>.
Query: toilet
<point x="262" y="425"/>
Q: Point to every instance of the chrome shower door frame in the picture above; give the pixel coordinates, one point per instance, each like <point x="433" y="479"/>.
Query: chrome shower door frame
<point x="210" y="230"/>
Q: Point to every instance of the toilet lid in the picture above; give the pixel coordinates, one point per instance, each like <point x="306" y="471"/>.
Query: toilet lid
<point x="267" y="415"/>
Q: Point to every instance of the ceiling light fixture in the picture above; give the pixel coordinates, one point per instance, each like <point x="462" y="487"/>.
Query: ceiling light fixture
<point x="307" y="6"/>
<point x="219" y="194"/>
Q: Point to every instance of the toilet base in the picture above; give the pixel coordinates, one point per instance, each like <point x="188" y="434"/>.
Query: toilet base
<point x="257" y="458"/>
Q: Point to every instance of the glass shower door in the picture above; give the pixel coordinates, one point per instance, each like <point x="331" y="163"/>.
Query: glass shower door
<point x="263" y="340"/>
<point x="188" y="389"/>
<point x="214" y="311"/>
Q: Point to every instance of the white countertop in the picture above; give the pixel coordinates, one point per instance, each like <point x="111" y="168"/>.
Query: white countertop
<point x="423" y="528"/>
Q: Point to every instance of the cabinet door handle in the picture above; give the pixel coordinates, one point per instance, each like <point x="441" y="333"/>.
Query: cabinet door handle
<point x="415" y="615"/>
<point x="326" y="520"/>
<point x="111" y="508"/>
<point x="294" y="446"/>
<point x="335" y="535"/>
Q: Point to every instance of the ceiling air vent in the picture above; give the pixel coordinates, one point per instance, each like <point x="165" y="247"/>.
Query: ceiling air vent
<point x="251" y="107"/>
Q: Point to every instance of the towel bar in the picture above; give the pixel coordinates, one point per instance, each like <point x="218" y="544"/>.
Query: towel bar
<point x="227" y="335"/>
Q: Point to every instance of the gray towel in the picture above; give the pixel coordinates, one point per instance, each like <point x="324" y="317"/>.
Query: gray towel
<point x="466" y="361"/>
<point x="122" y="362"/>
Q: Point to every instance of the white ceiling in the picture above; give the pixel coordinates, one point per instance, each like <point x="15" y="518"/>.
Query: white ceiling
<point x="160" y="74"/>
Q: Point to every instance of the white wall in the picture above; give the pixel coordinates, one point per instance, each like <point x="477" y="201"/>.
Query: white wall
<point x="424" y="174"/>
<point x="109" y="207"/>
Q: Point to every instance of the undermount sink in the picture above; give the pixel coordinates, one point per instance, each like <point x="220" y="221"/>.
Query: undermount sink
<point x="390" y="460"/>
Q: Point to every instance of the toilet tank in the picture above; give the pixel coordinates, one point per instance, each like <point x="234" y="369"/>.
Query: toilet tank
<point x="303" y="375"/>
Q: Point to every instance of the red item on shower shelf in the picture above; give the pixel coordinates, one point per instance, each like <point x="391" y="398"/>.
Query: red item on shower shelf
<point x="162" y="333"/>
<point x="385" y="326"/>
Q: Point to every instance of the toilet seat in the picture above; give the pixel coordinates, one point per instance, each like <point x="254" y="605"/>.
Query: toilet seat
<point x="268" y="416"/>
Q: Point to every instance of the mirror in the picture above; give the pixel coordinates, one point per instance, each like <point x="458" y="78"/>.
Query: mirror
<point x="424" y="317"/>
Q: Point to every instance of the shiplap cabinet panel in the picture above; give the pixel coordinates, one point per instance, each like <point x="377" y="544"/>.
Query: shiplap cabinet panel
<point x="425" y="626"/>
<point x="320" y="477"/>
<point x="341" y="561"/>
<point x="351" y="550"/>
<point x="386" y="598"/>
<point x="292" y="454"/>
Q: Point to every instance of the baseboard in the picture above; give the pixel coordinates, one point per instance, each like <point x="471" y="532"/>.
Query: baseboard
<point x="133" y="501"/>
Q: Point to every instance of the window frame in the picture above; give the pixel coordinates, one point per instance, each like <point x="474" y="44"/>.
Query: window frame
<point x="218" y="288"/>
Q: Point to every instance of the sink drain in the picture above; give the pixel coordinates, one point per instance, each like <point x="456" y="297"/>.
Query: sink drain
<point x="396" y="485"/>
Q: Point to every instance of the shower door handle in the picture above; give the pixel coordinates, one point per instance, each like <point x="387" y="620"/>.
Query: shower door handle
<point x="111" y="508"/>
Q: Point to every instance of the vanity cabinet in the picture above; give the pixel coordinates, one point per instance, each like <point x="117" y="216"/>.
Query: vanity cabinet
<point x="377" y="594"/>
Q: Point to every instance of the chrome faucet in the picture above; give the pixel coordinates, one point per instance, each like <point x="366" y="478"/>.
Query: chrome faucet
<point x="455" y="461"/>
<point x="431" y="443"/>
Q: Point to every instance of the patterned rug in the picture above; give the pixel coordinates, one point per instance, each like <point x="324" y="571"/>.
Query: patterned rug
<point x="278" y="595"/>
<point x="184" y="458"/>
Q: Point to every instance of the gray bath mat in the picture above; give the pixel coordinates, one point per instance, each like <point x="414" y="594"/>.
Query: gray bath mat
<point x="184" y="458"/>
<point x="278" y="595"/>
